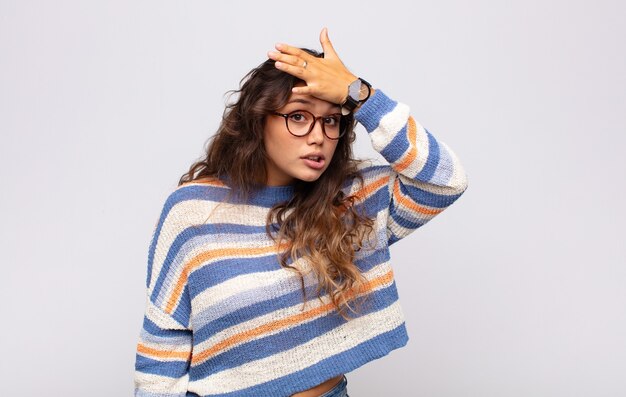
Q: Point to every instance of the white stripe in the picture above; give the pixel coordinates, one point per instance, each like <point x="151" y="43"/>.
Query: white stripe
<point x="338" y="340"/>
<point x="389" y="126"/>
<point x="458" y="181"/>
<point x="256" y="287"/>
<point x="160" y="318"/>
<point x="398" y="230"/>
<point x="152" y="383"/>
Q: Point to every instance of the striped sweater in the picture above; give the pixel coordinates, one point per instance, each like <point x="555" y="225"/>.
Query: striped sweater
<point x="223" y="318"/>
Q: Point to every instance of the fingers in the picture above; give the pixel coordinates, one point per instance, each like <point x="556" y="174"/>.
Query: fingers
<point x="326" y="78"/>
<point x="327" y="46"/>
<point x="291" y="64"/>
<point x="304" y="90"/>
<point x="297" y="71"/>
<point x="284" y="58"/>
<point x="295" y="51"/>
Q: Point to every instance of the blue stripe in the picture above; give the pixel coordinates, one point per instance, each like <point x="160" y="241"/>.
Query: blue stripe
<point x="223" y="270"/>
<point x="397" y="147"/>
<point x="158" y="340"/>
<point x="265" y="196"/>
<point x="423" y="197"/>
<point x="155" y="330"/>
<point x="374" y="203"/>
<point x="169" y="260"/>
<point x="341" y="363"/>
<point x="227" y="228"/>
<point x="406" y="223"/>
<point x="283" y="340"/>
<point x="445" y="168"/>
<point x="433" y="159"/>
<point x="171" y="369"/>
<point x="155" y="237"/>
<point x="367" y="259"/>
<point x="374" y="109"/>
<point x="183" y="309"/>
<point x="374" y="172"/>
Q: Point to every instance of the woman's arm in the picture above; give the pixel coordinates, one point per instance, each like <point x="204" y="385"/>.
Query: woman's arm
<point x="165" y="342"/>
<point x="163" y="356"/>
<point x="424" y="177"/>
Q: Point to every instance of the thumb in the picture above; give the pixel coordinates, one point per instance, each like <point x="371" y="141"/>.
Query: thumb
<point x="327" y="46"/>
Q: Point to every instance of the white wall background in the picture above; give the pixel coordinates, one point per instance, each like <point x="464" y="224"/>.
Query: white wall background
<point x="517" y="290"/>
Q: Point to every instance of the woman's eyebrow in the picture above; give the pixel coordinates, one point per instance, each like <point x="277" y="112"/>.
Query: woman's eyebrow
<point x="300" y="100"/>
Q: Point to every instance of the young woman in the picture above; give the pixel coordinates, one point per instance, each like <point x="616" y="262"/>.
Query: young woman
<point x="269" y="271"/>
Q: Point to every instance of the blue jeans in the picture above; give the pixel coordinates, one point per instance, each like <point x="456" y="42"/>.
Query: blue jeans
<point x="340" y="390"/>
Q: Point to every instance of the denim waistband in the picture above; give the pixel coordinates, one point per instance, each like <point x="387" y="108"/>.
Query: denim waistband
<point x="340" y="389"/>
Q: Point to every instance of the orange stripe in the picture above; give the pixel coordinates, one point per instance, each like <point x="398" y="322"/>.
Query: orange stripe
<point x="282" y="323"/>
<point x="411" y="204"/>
<point x="205" y="256"/>
<point x="410" y="156"/>
<point x="367" y="190"/>
<point x="145" y="350"/>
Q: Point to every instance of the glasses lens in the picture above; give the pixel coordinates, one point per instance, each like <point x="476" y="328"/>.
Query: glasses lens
<point x="332" y="125"/>
<point x="299" y="122"/>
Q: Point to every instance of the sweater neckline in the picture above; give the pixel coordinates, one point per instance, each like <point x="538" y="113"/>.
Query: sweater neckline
<point x="269" y="195"/>
<point x="277" y="193"/>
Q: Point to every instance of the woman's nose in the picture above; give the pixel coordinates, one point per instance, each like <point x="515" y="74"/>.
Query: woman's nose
<point x="317" y="133"/>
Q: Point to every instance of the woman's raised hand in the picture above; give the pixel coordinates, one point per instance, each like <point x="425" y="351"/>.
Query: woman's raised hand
<point x="326" y="78"/>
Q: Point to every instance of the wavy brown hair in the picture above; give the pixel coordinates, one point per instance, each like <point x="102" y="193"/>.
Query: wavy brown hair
<point x="319" y="223"/>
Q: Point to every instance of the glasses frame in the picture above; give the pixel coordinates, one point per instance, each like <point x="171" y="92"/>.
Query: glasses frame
<point x="342" y="123"/>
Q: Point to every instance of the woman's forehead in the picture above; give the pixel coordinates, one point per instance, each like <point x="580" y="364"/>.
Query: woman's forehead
<point x="312" y="102"/>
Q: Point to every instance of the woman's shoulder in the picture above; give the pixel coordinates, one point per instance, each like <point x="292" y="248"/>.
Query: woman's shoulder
<point x="189" y="202"/>
<point x="203" y="189"/>
<point x="201" y="186"/>
<point x="205" y="181"/>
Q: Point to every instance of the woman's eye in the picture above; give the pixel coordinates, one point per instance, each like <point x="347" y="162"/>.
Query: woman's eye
<point x="297" y="117"/>
<point x="331" y="120"/>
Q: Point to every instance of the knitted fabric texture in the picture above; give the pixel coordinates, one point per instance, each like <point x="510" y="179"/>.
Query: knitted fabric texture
<point x="223" y="318"/>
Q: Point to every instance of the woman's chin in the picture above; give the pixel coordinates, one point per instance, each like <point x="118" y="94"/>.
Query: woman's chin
<point x="310" y="177"/>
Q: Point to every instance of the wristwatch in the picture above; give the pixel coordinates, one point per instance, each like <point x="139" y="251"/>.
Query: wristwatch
<point x="358" y="92"/>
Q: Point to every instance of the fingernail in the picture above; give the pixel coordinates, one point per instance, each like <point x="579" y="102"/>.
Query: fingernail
<point x="279" y="46"/>
<point x="278" y="65"/>
<point x="272" y="54"/>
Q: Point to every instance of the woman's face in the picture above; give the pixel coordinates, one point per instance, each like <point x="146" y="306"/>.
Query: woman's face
<point x="291" y="157"/>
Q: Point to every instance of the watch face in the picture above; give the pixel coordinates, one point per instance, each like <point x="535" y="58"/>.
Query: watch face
<point x="354" y="89"/>
<point x="364" y="92"/>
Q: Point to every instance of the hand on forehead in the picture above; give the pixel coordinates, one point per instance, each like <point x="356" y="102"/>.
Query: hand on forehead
<point x="326" y="78"/>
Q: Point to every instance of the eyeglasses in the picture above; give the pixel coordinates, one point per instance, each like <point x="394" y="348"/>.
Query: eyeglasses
<point x="301" y="122"/>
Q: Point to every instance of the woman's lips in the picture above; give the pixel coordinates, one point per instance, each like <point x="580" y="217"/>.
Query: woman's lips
<point x="317" y="163"/>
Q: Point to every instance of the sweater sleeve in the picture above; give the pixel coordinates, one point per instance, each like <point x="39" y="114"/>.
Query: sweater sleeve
<point x="165" y="342"/>
<point x="424" y="176"/>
